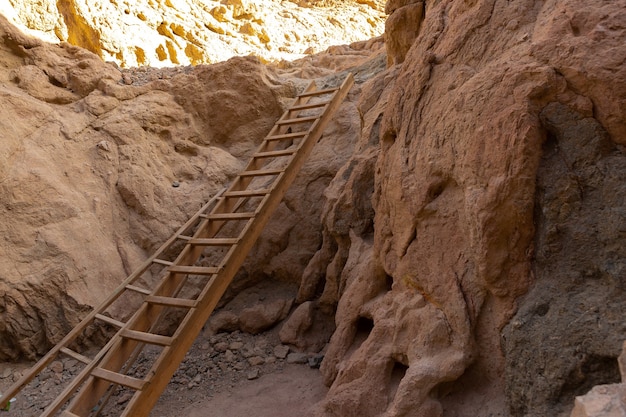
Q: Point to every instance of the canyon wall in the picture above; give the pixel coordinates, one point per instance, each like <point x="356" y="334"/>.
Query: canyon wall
<point x="487" y="275"/>
<point x="190" y="32"/>
<point x="100" y="166"/>
<point x="469" y="259"/>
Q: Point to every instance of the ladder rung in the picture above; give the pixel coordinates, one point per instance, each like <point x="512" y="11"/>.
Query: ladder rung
<point x="247" y="193"/>
<point x="318" y="92"/>
<point x="151" y="338"/>
<point x="110" y="320"/>
<point x="229" y="216"/>
<point x="309" y="105"/>
<point x="66" y="413"/>
<point x="161" y="262"/>
<point x="171" y="301"/>
<point x="183" y="237"/>
<point x="76" y="355"/>
<point x="138" y="289"/>
<point x="119" y="379"/>
<point x="287" y="136"/>
<point x="297" y="120"/>
<point x="194" y="270"/>
<point x="261" y="172"/>
<point x="214" y="242"/>
<point x="270" y="154"/>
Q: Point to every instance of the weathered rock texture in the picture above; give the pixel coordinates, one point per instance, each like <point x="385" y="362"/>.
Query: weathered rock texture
<point x="183" y="32"/>
<point x="604" y="400"/>
<point x="570" y="326"/>
<point x="463" y="166"/>
<point x="98" y="167"/>
<point x="471" y="247"/>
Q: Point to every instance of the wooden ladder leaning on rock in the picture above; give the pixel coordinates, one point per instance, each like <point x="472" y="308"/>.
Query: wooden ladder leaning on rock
<point x="229" y="224"/>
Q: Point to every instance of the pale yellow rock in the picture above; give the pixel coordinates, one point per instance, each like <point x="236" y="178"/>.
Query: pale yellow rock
<point x="190" y="32"/>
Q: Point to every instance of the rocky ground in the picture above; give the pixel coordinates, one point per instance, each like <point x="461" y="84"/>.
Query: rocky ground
<point x="224" y="372"/>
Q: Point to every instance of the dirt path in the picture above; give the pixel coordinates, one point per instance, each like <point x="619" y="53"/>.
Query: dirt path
<point x="287" y="393"/>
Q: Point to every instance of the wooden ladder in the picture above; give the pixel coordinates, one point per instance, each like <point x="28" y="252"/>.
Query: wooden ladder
<point x="193" y="278"/>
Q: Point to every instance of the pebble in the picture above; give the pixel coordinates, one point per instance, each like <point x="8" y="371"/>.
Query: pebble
<point x="56" y="367"/>
<point x="221" y="346"/>
<point x="256" y="360"/>
<point x="316" y="361"/>
<point x="296" y="357"/>
<point x="254" y="373"/>
<point x="235" y="345"/>
<point x="124" y="398"/>
<point x="281" y="351"/>
<point x="229" y="356"/>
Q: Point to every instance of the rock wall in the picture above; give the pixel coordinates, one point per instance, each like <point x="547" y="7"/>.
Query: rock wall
<point x="184" y="32"/>
<point x="100" y="166"/>
<point x="459" y="173"/>
<point x="469" y="260"/>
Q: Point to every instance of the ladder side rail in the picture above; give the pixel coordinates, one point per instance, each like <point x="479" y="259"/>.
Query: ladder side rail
<point x="142" y="402"/>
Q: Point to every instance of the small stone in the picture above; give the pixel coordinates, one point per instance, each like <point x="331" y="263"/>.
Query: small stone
<point x="6" y="373"/>
<point x="240" y="366"/>
<point x="316" y="361"/>
<point x="205" y="346"/>
<point x="56" y="367"/>
<point x="235" y="345"/>
<point x="256" y="360"/>
<point x="296" y="357"/>
<point x="281" y="351"/>
<point x="229" y="356"/>
<point x="198" y="379"/>
<point x="270" y="359"/>
<point x="254" y="373"/>
<point x="221" y="346"/>
<point x="124" y="398"/>
<point x="175" y="184"/>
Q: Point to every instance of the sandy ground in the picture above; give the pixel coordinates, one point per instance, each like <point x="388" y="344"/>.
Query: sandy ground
<point x="290" y="392"/>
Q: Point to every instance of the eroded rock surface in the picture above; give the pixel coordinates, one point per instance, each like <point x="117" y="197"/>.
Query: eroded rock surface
<point x="453" y="244"/>
<point x="100" y="166"/>
<point x="469" y="257"/>
<point x="569" y="329"/>
<point x="184" y="32"/>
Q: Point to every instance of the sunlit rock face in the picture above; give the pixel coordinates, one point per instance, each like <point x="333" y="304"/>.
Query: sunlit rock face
<point x="183" y="32"/>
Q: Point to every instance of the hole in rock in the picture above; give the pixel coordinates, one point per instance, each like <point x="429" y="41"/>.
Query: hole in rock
<point x="364" y="326"/>
<point x="550" y="145"/>
<point x="435" y="190"/>
<point x="593" y="370"/>
<point x="389" y="282"/>
<point x="397" y="374"/>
